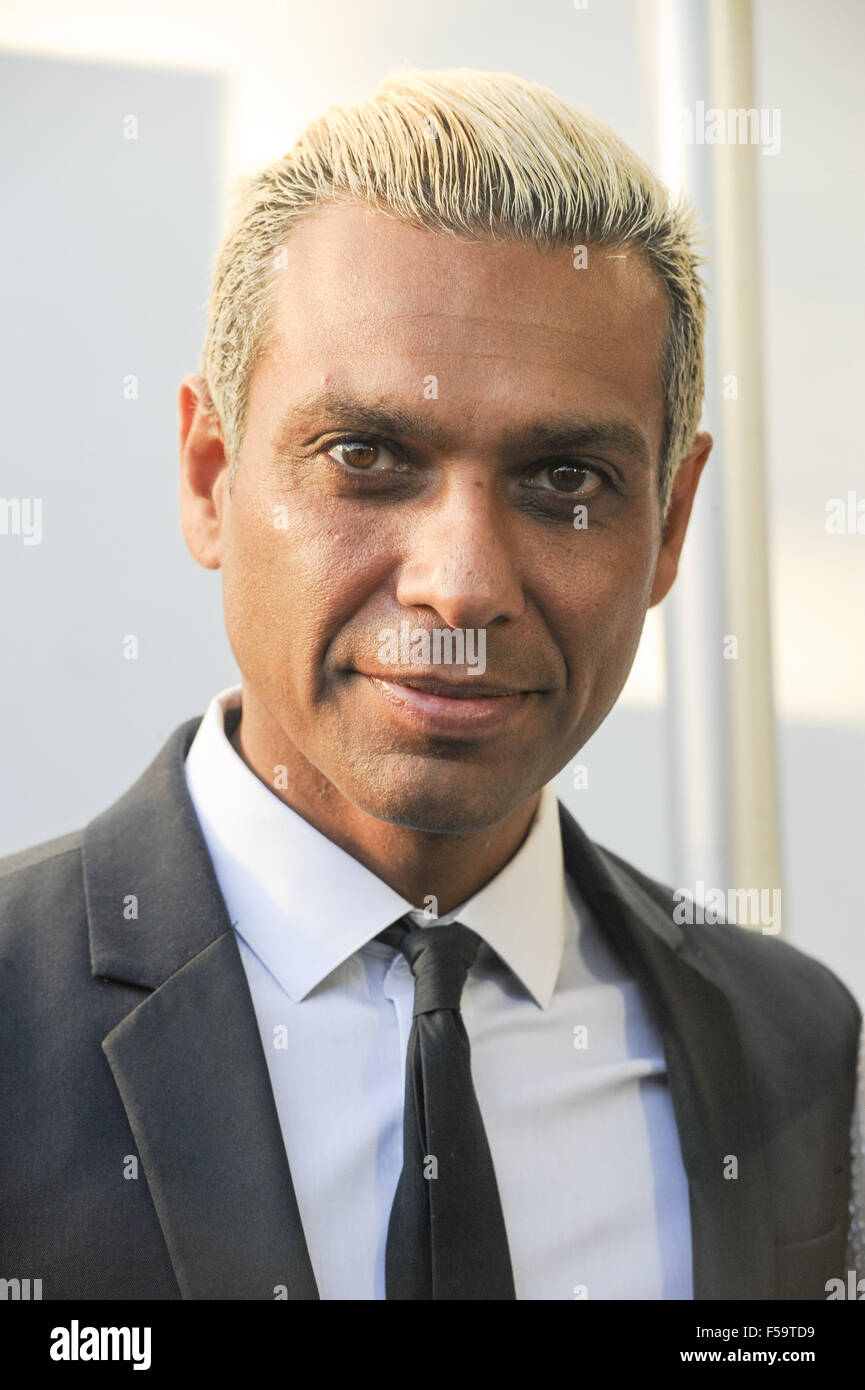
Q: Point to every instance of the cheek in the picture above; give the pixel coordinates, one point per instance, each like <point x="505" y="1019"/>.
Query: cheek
<point x="596" y="609"/>
<point x="295" y="573"/>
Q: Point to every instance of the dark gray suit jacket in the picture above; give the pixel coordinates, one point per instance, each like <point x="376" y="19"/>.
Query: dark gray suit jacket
<point x="136" y="1039"/>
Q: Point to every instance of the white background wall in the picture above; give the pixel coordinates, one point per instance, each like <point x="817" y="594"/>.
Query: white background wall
<point x="105" y="248"/>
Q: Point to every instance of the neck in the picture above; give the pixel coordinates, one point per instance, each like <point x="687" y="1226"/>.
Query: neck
<point x="417" y="864"/>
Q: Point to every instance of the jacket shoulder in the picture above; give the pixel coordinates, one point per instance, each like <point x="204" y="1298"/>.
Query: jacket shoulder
<point x="51" y="861"/>
<point x="39" y="887"/>
<point x="35" y="855"/>
<point x="30" y="875"/>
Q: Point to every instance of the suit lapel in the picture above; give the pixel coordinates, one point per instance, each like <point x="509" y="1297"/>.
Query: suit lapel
<point x="188" y="1061"/>
<point x="708" y="1072"/>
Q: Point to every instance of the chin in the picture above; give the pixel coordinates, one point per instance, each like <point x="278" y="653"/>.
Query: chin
<point x="444" y="801"/>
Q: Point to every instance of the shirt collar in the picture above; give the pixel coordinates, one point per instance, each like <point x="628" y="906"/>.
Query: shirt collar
<point x="304" y="905"/>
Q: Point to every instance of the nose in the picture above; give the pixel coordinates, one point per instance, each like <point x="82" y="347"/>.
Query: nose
<point x="460" y="559"/>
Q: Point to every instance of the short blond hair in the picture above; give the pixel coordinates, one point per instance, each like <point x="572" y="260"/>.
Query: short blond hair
<point x="479" y="155"/>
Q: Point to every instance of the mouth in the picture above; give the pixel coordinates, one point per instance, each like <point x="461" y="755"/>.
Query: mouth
<point x="433" y="705"/>
<point x="462" y="688"/>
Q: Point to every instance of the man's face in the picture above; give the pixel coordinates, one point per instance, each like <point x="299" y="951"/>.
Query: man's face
<point x="428" y="417"/>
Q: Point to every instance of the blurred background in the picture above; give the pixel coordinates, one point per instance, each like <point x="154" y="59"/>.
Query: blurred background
<point x="724" y="764"/>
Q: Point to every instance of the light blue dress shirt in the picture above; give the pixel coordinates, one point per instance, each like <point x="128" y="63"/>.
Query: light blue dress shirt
<point x="568" y="1068"/>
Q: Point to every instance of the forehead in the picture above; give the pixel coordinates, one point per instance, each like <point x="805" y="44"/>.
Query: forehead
<point x="371" y="304"/>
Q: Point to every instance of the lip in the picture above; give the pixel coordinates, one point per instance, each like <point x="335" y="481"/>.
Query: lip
<point x="432" y="705"/>
<point x="465" y="688"/>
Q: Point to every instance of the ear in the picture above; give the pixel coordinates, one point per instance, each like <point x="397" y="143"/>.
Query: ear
<point x="203" y="473"/>
<point x="678" y="515"/>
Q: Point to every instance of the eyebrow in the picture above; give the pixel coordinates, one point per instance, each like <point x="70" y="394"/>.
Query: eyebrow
<point x="552" y="434"/>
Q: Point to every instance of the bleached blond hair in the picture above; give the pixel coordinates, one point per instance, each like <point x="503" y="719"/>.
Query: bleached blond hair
<point x="480" y="155"/>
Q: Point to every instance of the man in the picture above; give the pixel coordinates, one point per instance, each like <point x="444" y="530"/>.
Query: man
<point x="338" y="1001"/>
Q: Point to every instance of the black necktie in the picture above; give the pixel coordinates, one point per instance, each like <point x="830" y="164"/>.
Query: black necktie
<point x="446" y="1238"/>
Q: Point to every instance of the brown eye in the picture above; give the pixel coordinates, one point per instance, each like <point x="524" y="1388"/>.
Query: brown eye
<point x="568" y="478"/>
<point x="358" y="453"/>
<point x="565" y="478"/>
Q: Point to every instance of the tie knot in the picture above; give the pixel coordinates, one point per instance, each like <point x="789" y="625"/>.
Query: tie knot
<point x="439" y="958"/>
